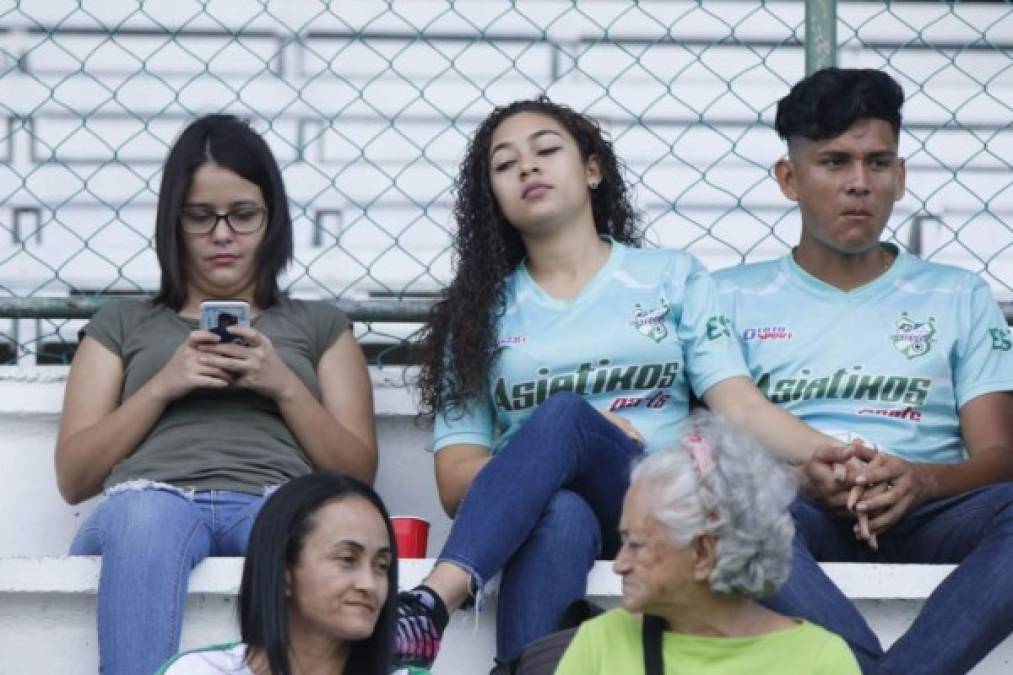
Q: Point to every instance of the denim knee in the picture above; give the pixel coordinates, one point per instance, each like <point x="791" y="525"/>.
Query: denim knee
<point x="561" y="408"/>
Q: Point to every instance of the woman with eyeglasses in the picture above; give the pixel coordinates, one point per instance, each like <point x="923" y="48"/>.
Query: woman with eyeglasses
<point x="186" y="432"/>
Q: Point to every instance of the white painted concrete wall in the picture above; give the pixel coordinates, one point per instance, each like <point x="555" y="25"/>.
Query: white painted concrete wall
<point x="47" y="611"/>
<point x="47" y="600"/>
<point x="47" y="616"/>
<point x="35" y="521"/>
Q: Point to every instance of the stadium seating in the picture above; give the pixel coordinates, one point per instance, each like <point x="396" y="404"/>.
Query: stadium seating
<point x="47" y="599"/>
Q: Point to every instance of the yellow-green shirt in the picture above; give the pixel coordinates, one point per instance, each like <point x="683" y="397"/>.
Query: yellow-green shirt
<point x="612" y="643"/>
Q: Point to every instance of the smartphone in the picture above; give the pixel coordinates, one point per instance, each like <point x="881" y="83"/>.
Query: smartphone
<point x="217" y="315"/>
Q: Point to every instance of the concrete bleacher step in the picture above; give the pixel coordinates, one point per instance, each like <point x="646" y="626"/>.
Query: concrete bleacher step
<point x="47" y="599"/>
<point x="47" y="610"/>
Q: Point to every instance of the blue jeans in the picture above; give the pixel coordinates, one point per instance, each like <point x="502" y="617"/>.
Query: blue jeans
<point x="967" y="615"/>
<point x="541" y="511"/>
<point x="150" y="537"/>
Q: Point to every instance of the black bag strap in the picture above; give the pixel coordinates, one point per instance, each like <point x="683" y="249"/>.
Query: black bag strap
<point x="654" y="663"/>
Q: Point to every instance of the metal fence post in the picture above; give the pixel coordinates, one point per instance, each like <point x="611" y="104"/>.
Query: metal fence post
<point x="820" y="35"/>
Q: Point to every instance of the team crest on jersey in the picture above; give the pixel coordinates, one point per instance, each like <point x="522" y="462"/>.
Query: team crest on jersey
<point x="651" y="322"/>
<point x="914" y="338"/>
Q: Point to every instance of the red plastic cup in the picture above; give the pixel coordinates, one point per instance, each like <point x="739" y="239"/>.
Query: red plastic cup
<point x="412" y="535"/>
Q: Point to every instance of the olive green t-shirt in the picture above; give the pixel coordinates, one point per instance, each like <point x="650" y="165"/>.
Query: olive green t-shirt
<point x="215" y="439"/>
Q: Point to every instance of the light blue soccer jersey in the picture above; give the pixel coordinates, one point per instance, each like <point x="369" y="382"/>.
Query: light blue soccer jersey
<point x="642" y="331"/>
<point x="891" y="362"/>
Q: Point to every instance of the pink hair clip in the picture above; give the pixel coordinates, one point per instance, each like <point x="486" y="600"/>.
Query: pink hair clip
<point x="701" y="452"/>
<point x="703" y="462"/>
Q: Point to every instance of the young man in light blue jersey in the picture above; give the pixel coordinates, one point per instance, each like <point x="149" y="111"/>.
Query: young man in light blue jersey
<point x="864" y="341"/>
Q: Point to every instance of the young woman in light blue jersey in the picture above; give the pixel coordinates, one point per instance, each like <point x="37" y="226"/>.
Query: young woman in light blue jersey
<point x="559" y="353"/>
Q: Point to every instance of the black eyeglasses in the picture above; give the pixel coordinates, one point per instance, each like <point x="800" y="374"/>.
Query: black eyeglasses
<point x="245" y="220"/>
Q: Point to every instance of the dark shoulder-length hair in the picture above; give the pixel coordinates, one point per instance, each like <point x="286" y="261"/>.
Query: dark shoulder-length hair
<point x="276" y="540"/>
<point x="229" y="142"/>
<point x="458" y="344"/>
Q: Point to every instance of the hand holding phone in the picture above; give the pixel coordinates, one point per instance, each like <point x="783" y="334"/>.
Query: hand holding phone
<point x="217" y="315"/>
<point x="188" y="369"/>
<point x="257" y="366"/>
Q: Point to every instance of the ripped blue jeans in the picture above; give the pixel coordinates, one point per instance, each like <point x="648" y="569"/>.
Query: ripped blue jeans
<point x="541" y="511"/>
<point x="150" y="537"/>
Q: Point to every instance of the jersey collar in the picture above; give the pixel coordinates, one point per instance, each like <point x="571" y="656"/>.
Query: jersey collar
<point x="799" y="276"/>
<point x="591" y="289"/>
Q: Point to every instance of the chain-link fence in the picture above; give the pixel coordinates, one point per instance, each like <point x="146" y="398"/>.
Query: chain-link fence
<point x="368" y="106"/>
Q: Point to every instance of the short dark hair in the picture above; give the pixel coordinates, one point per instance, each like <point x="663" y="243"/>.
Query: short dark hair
<point x="276" y="541"/>
<point x="828" y="102"/>
<point x="228" y="142"/>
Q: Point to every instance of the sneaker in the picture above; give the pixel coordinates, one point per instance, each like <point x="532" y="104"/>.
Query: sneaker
<point x="421" y="619"/>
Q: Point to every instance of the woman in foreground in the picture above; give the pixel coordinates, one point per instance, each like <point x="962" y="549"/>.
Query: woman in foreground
<point x="317" y="595"/>
<point x="705" y="529"/>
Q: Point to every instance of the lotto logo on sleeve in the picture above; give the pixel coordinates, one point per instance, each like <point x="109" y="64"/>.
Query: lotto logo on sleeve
<point x="765" y="333"/>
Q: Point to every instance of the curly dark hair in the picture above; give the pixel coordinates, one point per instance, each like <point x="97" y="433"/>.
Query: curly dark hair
<point x="458" y="344"/>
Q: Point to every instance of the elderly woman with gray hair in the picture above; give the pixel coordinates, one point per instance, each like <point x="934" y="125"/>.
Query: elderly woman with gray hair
<point x="705" y="530"/>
